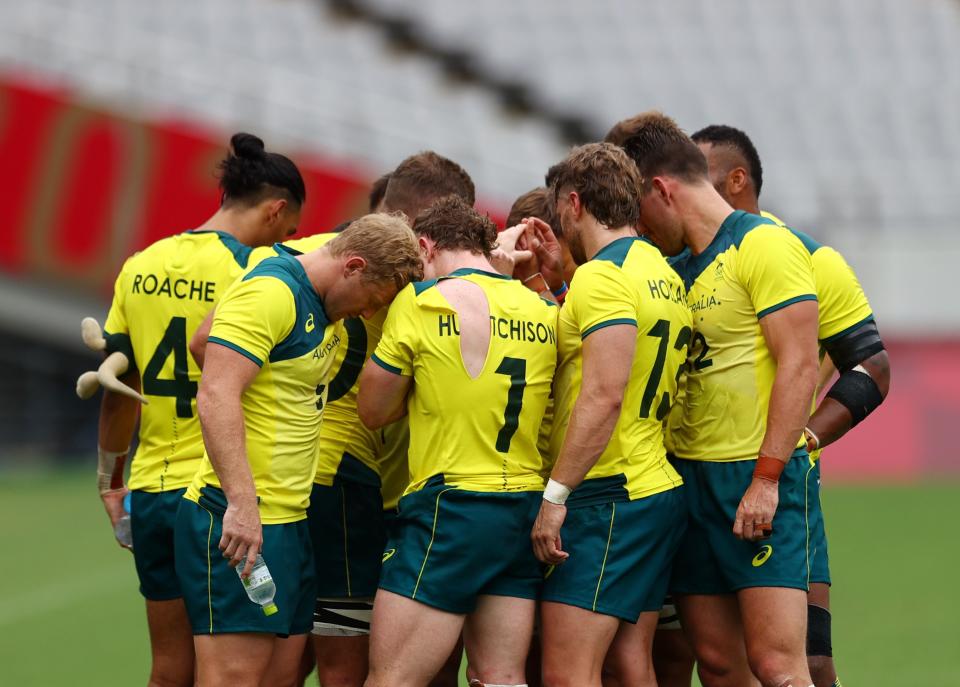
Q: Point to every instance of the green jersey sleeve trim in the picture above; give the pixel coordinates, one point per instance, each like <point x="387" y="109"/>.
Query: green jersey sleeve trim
<point x="848" y="330"/>
<point x="608" y="323"/>
<point x="239" y="349"/>
<point x="385" y="365"/>
<point x="790" y="301"/>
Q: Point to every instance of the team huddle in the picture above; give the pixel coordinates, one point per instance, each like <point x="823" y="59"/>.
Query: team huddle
<point x="583" y="450"/>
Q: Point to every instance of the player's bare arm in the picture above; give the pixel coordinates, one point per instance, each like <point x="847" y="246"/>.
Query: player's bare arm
<point x="382" y="397"/>
<point x="607" y="360"/>
<point x="862" y="386"/>
<point x="198" y="342"/>
<point x="118" y="421"/>
<point x="221" y="418"/>
<point x="791" y="336"/>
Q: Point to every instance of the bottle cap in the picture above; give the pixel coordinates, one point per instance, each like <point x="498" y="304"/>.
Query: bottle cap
<point x="270" y="608"/>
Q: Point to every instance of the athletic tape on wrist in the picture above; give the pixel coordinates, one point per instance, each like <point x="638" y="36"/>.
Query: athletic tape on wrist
<point x="556" y="493"/>
<point x="810" y="435"/>
<point x="768" y="468"/>
<point x="110" y="469"/>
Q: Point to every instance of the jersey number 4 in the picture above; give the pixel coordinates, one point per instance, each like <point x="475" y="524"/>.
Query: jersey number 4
<point x="180" y="387"/>
<point x="661" y="330"/>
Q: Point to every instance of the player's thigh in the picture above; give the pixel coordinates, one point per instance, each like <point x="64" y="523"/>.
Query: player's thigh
<point x="171" y="641"/>
<point x="713" y="625"/>
<point x="628" y="661"/>
<point x="409" y="641"/>
<point x="232" y="660"/>
<point x="574" y="642"/>
<point x="497" y="638"/>
<point x="283" y="669"/>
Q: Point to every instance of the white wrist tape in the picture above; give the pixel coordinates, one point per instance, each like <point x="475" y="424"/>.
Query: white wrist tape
<point x="816" y="440"/>
<point x="556" y="493"/>
<point x="110" y="469"/>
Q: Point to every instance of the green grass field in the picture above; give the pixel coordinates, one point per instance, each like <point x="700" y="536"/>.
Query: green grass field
<point x="71" y="613"/>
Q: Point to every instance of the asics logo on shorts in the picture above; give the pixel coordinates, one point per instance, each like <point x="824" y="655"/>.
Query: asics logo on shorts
<point x="388" y="554"/>
<point x="309" y="326"/>
<point x="763" y="556"/>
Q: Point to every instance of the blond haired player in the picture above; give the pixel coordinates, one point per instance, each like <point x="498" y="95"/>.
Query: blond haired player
<point x="269" y="352"/>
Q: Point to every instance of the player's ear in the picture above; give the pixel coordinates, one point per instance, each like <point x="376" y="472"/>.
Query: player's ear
<point x="354" y="265"/>
<point x="274" y="209"/>
<point x="426" y="247"/>
<point x="736" y="181"/>
<point x="576" y="204"/>
<point x="660" y="188"/>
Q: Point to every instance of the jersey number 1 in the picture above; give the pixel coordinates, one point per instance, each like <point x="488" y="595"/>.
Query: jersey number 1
<point x="180" y="387"/>
<point x="516" y="369"/>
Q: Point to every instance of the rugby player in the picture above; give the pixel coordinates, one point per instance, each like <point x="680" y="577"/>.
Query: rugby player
<point x="346" y="512"/>
<point x="612" y="514"/>
<point x="469" y="356"/>
<point x="270" y="348"/>
<point x="848" y="335"/>
<point x="740" y="575"/>
<point x="160" y="297"/>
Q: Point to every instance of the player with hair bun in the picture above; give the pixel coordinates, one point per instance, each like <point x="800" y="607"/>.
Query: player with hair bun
<point x="160" y="297"/>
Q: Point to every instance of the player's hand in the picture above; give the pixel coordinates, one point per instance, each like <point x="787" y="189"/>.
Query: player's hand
<point x="547" y="250"/>
<point x="511" y="250"/>
<point x="113" y="504"/>
<point x="757" y="507"/>
<point x="242" y="535"/>
<point x="546" y="534"/>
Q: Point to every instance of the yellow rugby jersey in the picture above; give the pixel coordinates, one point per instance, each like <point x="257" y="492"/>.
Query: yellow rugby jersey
<point x="479" y="433"/>
<point x="342" y="432"/>
<point x="753" y="267"/>
<point x="161" y="297"/>
<point x="274" y="317"/>
<point x="627" y="282"/>
<point x="394" y="469"/>
<point x="843" y="304"/>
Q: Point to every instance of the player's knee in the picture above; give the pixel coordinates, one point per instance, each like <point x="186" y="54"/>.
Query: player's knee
<point x="557" y="676"/>
<point x="714" y="661"/>
<point x="775" y="668"/>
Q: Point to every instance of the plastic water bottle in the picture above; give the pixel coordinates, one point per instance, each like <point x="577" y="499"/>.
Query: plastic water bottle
<point x="122" y="530"/>
<point x="259" y="585"/>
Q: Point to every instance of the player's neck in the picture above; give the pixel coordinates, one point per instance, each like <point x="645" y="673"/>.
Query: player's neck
<point x="239" y="224"/>
<point x="597" y="236"/>
<point x="447" y="261"/>
<point x="703" y="211"/>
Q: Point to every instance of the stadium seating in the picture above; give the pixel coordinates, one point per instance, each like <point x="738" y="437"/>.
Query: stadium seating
<point x="852" y="103"/>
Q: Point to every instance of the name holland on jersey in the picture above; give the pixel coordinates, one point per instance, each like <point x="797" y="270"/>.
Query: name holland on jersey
<point x="181" y="289"/>
<point x="504" y="328"/>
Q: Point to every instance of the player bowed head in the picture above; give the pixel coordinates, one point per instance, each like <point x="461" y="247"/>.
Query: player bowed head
<point x="262" y="193"/>
<point x="371" y="260"/>
<point x="421" y="180"/>
<point x="448" y="227"/>
<point x="668" y="165"/>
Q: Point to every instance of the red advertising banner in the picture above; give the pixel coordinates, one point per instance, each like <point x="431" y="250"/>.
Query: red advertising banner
<point x="83" y="188"/>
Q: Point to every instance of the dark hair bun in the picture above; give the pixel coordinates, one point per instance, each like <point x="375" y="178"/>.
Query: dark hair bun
<point x="248" y="146"/>
<point x="249" y="171"/>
